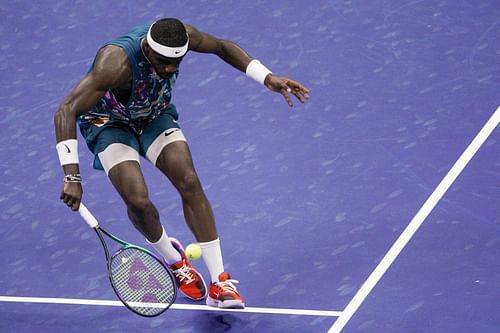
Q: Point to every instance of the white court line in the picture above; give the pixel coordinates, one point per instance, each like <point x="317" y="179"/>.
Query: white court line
<point x="77" y="301"/>
<point x="416" y="222"/>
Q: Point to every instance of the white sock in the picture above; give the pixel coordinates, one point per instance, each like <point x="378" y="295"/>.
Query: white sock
<point x="164" y="247"/>
<point x="212" y="255"/>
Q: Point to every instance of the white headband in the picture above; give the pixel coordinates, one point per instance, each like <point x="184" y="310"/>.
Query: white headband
<point x="167" y="51"/>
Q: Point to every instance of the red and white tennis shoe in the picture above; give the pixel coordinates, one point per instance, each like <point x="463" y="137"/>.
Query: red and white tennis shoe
<point x="187" y="278"/>
<point x="223" y="294"/>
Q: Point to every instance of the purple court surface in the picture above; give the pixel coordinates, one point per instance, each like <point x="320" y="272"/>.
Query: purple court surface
<point x="363" y="210"/>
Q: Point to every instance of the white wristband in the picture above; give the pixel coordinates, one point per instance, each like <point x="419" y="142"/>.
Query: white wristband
<point x="257" y="71"/>
<point x="68" y="151"/>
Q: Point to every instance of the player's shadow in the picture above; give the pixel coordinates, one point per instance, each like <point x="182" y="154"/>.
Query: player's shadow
<point x="216" y="322"/>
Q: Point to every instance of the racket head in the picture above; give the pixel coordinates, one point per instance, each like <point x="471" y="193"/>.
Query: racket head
<point x="141" y="281"/>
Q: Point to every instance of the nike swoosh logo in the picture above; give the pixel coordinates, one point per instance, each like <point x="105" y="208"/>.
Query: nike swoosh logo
<point x="168" y="133"/>
<point x="69" y="151"/>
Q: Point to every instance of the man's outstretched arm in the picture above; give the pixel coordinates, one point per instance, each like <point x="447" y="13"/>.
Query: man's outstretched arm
<point x="234" y="55"/>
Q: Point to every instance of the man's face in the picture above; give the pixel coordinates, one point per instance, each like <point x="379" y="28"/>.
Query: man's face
<point x="164" y="67"/>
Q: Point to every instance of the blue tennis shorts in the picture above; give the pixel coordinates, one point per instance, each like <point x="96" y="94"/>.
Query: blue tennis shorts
<point x="154" y="136"/>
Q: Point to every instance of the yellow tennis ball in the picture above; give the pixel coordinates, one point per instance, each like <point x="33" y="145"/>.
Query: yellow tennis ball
<point x="193" y="251"/>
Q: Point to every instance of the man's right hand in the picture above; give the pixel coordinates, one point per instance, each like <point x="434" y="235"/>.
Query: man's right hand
<point x="71" y="194"/>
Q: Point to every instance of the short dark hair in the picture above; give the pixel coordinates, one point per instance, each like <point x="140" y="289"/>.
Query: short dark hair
<point x="169" y="32"/>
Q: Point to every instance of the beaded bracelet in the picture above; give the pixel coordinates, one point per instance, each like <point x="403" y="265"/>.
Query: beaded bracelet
<point x="72" y="178"/>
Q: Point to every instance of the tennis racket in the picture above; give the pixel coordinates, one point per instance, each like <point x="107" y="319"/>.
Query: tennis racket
<point x="140" y="280"/>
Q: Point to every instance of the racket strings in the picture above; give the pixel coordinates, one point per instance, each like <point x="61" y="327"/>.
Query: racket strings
<point x="142" y="282"/>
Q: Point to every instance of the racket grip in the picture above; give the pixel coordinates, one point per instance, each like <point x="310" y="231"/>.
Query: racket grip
<point x="87" y="216"/>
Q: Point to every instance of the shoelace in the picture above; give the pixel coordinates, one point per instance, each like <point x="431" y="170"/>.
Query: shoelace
<point x="184" y="272"/>
<point x="228" y="285"/>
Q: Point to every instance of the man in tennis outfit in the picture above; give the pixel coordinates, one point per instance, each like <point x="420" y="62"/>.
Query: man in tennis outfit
<point x="123" y="110"/>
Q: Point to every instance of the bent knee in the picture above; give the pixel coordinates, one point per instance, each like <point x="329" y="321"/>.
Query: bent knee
<point x="189" y="184"/>
<point x="139" y="204"/>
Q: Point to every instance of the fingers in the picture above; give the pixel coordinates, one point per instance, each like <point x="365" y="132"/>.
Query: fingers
<point x="301" y="92"/>
<point x="285" y="91"/>
<point x="75" y="205"/>
<point x="71" y="197"/>
<point x="295" y="88"/>
<point x="71" y="202"/>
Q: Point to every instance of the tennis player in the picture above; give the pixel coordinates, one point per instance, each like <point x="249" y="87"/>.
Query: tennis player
<point x="123" y="110"/>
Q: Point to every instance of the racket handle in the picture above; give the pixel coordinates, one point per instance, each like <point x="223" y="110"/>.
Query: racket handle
<point x="87" y="216"/>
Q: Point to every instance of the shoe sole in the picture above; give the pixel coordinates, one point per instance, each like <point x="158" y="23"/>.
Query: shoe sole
<point x="228" y="304"/>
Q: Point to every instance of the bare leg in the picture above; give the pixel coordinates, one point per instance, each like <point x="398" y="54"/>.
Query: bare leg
<point x="128" y="180"/>
<point x="176" y="163"/>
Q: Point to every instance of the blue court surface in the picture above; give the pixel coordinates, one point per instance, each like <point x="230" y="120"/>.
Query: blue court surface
<point x="374" y="207"/>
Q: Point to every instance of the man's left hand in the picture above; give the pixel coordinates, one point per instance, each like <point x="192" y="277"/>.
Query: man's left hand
<point x="285" y="87"/>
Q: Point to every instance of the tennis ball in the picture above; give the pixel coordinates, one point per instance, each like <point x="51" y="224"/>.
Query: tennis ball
<point x="193" y="251"/>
